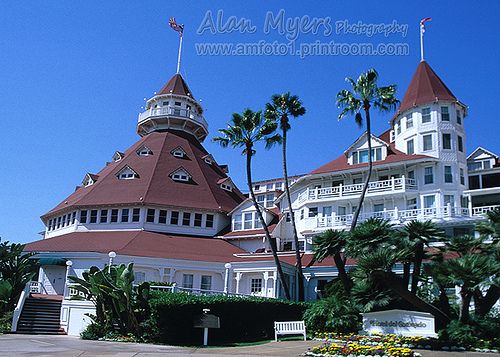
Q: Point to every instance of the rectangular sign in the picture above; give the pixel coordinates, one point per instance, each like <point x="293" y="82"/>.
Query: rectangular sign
<point x="207" y="321"/>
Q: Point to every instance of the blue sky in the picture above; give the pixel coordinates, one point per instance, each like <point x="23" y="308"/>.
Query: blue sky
<point x="73" y="76"/>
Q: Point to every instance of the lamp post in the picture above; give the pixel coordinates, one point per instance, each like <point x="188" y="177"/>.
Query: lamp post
<point x="226" y="278"/>
<point x="111" y="256"/>
<point x="69" y="264"/>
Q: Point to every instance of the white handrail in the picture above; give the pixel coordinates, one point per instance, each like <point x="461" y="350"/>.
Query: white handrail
<point x="19" y="307"/>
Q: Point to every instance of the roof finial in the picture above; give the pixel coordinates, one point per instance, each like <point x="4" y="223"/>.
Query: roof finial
<point x="180" y="29"/>
<point x="422" y="30"/>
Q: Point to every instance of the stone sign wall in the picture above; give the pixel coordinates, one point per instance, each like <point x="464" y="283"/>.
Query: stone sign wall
<point x="399" y="322"/>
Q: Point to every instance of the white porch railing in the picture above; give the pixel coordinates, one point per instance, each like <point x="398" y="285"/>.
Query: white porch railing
<point x="389" y="186"/>
<point x="174" y="288"/>
<point x="399" y="216"/>
<point x="176" y="112"/>
<point x="19" y="307"/>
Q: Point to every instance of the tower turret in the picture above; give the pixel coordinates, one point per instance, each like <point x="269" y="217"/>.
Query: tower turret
<point x="173" y="107"/>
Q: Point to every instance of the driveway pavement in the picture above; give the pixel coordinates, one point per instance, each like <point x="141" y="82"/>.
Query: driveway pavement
<point x="59" y="346"/>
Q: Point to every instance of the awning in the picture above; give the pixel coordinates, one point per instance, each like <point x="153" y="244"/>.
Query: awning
<point x="52" y="261"/>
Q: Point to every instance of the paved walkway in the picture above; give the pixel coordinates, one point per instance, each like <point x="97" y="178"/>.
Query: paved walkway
<point x="59" y="346"/>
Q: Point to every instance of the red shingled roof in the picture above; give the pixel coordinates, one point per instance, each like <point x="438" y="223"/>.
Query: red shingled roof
<point x="176" y="85"/>
<point x="393" y="156"/>
<point x="154" y="186"/>
<point x="425" y="87"/>
<point x="140" y="244"/>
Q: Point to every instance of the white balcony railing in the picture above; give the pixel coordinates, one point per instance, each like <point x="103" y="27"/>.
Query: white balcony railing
<point x="176" y="112"/>
<point x="399" y="216"/>
<point x="388" y="186"/>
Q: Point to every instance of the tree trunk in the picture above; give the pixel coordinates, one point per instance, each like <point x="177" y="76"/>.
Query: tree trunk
<point x="444" y="302"/>
<point x="488" y="301"/>
<point x="366" y="106"/>
<point x="298" y="258"/>
<point x="417" y="267"/>
<point x="466" y="297"/>
<point x="271" y="240"/>
<point x="406" y="273"/>
<point x="344" y="278"/>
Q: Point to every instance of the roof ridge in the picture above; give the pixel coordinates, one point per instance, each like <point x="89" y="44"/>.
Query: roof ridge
<point x="148" y="185"/>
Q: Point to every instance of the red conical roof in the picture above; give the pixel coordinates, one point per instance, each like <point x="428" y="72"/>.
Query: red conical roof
<point x="425" y="87"/>
<point x="176" y="85"/>
<point x="153" y="184"/>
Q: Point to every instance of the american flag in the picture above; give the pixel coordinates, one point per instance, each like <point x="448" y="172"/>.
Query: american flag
<point x="177" y="27"/>
<point x="423" y="21"/>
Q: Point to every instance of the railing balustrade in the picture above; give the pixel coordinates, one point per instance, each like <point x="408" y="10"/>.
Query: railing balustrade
<point x="184" y="113"/>
<point x="393" y="185"/>
<point x="396" y="215"/>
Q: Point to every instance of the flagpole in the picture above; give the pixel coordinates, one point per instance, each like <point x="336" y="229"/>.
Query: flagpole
<point x="179" y="56"/>
<point x="422" y="30"/>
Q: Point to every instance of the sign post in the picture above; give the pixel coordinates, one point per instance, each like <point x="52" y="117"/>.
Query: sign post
<point x="206" y="321"/>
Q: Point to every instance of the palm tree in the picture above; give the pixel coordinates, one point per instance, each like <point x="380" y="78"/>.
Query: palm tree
<point x="332" y="243"/>
<point x="279" y="110"/>
<point x="245" y="131"/>
<point x="365" y="94"/>
<point x="420" y="234"/>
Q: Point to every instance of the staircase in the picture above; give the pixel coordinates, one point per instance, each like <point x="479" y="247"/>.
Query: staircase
<point x="40" y="315"/>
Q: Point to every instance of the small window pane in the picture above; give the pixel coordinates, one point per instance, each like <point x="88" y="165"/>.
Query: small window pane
<point x="426" y="115"/>
<point x="197" y="219"/>
<point x="247" y="221"/>
<point x="162" y="218"/>
<point x="410" y="148"/>
<point x="83" y="216"/>
<point x="150" y="218"/>
<point x="428" y="175"/>
<point x="447" y="141"/>
<point x="460" y="144"/>
<point x="186" y="219"/>
<point x="448" y="177"/>
<point x="104" y="216"/>
<point x="125" y="212"/>
<point x="210" y="221"/>
<point x="445" y="115"/>
<point x="114" y="215"/>
<point x="427" y="142"/>
<point x="136" y="214"/>
<point x="93" y="216"/>
<point x="206" y="282"/>
<point x="174" y="218"/>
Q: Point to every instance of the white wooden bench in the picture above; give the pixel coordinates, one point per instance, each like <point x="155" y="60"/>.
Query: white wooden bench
<point x="289" y="328"/>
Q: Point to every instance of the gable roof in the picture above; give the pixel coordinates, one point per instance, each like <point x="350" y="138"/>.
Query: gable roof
<point x="176" y="85"/>
<point x="363" y="137"/>
<point x="393" y="156"/>
<point x="425" y="87"/>
<point x="141" y="244"/>
<point x="153" y="186"/>
<point x="492" y="154"/>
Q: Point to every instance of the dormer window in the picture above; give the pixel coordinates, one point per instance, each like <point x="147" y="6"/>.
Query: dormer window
<point x="178" y="104"/>
<point x="180" y="175"/>
<point x="208" y="159"/>
<point x="89" y="180"/>
<point x="127" y="174"/>
<point x="144" y="151"/>
<point x="118" y="156"/>
<point x="226" y="187"/>
<point x="226" y="184"/>
<point x="179" y="152"/>
<point x="165" y="104"/>
<point x="361" y="156"/>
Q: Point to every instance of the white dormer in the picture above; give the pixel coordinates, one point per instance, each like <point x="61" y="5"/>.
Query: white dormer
<point x="181" y="174"/>
<point x="144" y="151"/>
<point x="89" y="179"/>
<point x="209" y="159"/>
<point x="179" y="152"/>
<point x="127" y="173"/>
<point x="118" y="155"/>
<point x="226" y="184"/>
<point x="481" y="159"/>
<point x="357" y="153"/>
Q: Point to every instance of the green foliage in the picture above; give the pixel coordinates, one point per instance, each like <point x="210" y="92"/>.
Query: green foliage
<point x="241" y="318"/>
<point x="335" y="313"/>
<point x="117" y="301"/>
<point x="329" y="243"/>
<point x="17" y="269"/>
<point x="93" y="331"/>
<point x="6" y="322"/>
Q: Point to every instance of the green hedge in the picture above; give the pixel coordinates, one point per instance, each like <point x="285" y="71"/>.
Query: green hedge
<point x="242" y="319"/>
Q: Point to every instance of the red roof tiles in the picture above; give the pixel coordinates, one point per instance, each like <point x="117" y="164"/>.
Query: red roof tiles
<point x="176" y="85"/>
<point x="154" y="186"/>
<point x="393" y="156"/>
<point x="425" y="87"/>
<point x="140" y="244"/>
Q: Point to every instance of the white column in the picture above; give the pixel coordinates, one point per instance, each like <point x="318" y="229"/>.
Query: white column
<point x="238" y="278"/>
<point x="266" y="277"/>
<point x="227" y="266"/>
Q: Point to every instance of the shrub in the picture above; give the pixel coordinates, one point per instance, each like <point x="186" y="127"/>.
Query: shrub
<point x="241" y="318"/>
<point x="94" y="331"/>
<point x="462" y="334"/>
<point x="333" y="314"/>
<point x="6" y="322"/>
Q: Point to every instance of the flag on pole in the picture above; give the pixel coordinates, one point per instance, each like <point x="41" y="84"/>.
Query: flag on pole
<point x="177" y="27"/>
<point x="423" y="21"/>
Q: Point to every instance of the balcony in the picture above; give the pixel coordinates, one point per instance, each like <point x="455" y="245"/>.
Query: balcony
<point x="394" y="185"/>
<point x="397" y="216"/>
<point x="174" y="112"/>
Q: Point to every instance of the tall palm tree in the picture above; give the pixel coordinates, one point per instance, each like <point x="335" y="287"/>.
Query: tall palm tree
<point x="244" y="131"/>
<point x="332" y="243"/>
<point x="420" y="233"/>
<point x="280" y="109"/>
<point x="364" y="94"/>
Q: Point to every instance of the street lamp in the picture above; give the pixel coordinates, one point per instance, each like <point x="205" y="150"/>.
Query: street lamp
<point x="69" y="264"/>
<point x="226" y="278"/>
<point x="111" y="256"/>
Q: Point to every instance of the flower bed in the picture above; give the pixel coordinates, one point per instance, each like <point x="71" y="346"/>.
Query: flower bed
<point x="352" y="349"/>
<point x="379" y="339"/>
